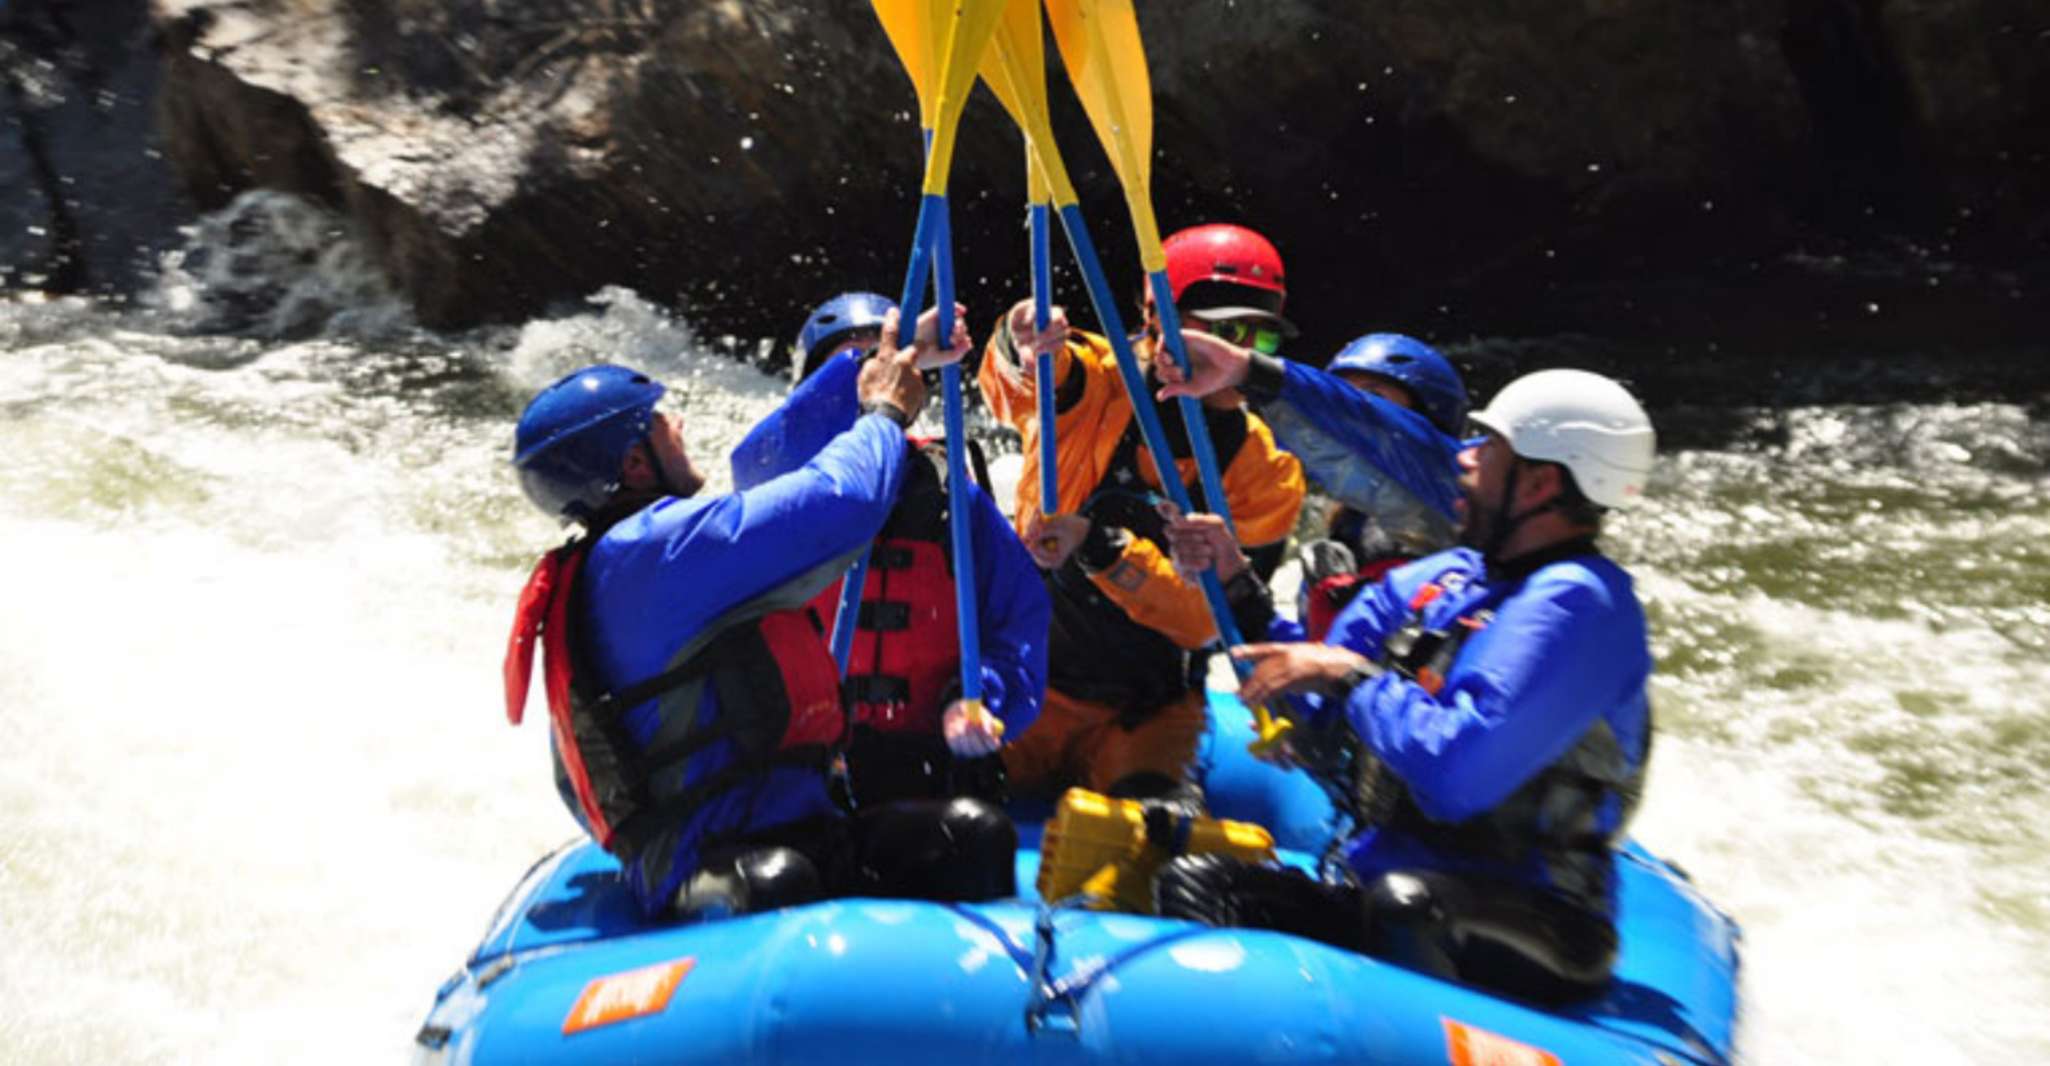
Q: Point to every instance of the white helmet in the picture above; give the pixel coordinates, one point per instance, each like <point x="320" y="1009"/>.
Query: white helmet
<point x="1584" y="422"/>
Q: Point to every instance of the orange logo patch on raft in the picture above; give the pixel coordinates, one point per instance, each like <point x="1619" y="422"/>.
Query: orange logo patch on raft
<point x="621" y="996"/>
<point x="1466" y="1045"/>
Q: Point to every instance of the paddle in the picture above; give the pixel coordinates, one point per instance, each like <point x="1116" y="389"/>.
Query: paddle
<point x="940" y="43"/>
<point x="1015" y="69"/>
<point x="1099" y="44"/>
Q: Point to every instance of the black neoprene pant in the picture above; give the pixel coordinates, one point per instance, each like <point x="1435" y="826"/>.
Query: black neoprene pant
<point x="1493" y="934"/>
<point x="956" y="850"/>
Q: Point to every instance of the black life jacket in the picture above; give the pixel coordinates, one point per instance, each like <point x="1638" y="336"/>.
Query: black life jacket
<point x="766" y="660"/>
<point x="1556" y="814"/>
<point x="1095" y="651"/>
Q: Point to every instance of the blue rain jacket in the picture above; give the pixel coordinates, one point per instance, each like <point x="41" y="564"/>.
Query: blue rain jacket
<point x="1012" y="606"/>
<point x="1567" y="646"/>
<point x="1378" y="458"/>
<point x="658" y="577"/>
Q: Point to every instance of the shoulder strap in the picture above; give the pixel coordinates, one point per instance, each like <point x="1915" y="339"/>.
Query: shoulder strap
<point x="691" y="663"/>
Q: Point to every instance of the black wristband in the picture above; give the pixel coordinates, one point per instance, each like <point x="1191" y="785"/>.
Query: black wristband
<point x="1264" y="377"/>
<point x="1244" y="587"/>
<point x="1354" y="678"/>
<point x="888" y="410"/>
<point x="1102" y="548"/>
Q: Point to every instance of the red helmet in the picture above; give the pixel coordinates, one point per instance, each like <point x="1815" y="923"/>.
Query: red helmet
<point x="1225" y="271"/>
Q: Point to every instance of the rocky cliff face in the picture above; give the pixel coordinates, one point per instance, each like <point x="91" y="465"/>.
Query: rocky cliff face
<point x="1435" y="165"/>
<point x="86" y="198"/>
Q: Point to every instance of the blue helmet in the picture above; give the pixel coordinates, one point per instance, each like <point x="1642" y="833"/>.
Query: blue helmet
<point x="833" y="321"/>
<point x="573" y="438"/>
<point x="1440" y="395"/>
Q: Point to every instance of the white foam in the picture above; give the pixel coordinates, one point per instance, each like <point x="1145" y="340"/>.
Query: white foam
<point x="258" y="776"/>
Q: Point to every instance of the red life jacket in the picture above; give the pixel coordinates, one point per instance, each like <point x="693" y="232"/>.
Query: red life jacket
<point x="778" y="692"/>
<point x="1331" y="595"/>
<point x="906" y="653"/>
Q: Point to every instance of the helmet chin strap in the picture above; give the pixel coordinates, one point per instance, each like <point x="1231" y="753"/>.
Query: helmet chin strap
<point x="1498" y="536"/>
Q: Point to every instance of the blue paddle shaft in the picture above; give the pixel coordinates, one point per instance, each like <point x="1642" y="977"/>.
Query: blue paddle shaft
<point x="931" y="256"/>
<point x="845" y="616"/>
<point x="1042" y="313"/>
<point x="958" y="528"/>
<point x="1150" y="429"/>
<point x="915" y="275"/>
<point x="1192" y="408"/>
<point x="958" y="520"/>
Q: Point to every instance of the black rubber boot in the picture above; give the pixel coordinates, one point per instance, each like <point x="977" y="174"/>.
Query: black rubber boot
<point x="1152" y="787"/>
<point x="759" y="879"/>
<point x="958" y="850"/>
<point x="1223" y="891"/>
<point x="1508" y="937"/>
<point x="1410" y="925"/>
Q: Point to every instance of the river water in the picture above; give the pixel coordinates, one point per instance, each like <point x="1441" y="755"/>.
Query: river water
<point x="259" y="795"/>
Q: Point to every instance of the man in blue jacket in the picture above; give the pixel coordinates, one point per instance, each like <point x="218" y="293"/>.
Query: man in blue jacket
<point x="1377" y="430"/>
<point x="1499" y="689"/>
<point x="694" y="705"/>
<point x="913" y="737"/>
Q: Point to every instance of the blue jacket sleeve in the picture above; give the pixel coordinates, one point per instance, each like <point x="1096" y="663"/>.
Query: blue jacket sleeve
<point x="1282" y="630"/>
<point x="1335" y="428"/>
<point x="1014" y="611"/>
<point x="663" y="574"/>
<point x="1558" y="653"/>
<point x="822" y="407"/>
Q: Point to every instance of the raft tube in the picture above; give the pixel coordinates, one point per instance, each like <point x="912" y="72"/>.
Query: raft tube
<point x="569" y="973"/>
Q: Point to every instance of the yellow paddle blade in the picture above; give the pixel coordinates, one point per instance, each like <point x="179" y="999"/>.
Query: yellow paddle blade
<point x="968" y="30"/>
<point x="916" y="29"/>
<point x="1099" y="43"/>
<point x="1015" y="69"/>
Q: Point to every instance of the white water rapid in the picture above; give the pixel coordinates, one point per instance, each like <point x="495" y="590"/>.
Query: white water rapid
<point x="259" y="797"/>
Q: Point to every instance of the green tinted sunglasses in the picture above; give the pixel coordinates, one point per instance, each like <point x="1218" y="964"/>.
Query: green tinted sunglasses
<point x="1248" y="333"/>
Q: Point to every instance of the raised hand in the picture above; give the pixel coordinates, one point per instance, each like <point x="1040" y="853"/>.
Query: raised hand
<point x="970" y="731"/>
<point x="892" y="375"/>
<point x="1052" y="540"/>
<point x="930" y="354"/>
<point x="1217" y="365"/>
<point x="1028" y="339"/>
<point x="1198" y="542"/>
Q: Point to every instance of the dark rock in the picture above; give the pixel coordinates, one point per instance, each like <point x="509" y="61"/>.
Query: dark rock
<point x="86" y="199"/>
<point x="1634" y="172"/>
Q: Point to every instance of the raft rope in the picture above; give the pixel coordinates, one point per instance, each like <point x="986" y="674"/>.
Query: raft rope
<point x="1036" y="963"/>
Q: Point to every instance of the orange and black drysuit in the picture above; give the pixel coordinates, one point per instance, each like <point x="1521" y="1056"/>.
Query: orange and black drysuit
<point x="1120" y="696"/>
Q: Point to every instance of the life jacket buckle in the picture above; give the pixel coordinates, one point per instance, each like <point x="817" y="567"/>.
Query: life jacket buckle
<point x="890" y="557"/>
<point x="885" y="616"/>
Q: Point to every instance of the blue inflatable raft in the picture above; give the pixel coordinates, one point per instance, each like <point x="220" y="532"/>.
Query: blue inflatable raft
<point x="568" y="973"/>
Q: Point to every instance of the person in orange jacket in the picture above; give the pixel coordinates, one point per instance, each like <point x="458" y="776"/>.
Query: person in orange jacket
<point x="1124" y="707"/>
